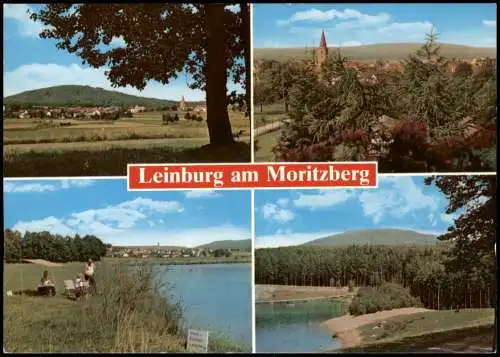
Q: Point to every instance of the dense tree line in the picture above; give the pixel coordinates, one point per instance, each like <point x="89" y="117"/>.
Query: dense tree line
<point x="424" y="118"/>
<point x="459" y="273"/>
<point x="51" y="247"/>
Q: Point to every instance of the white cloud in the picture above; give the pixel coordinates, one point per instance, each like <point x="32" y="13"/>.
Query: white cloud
<point x="201" y="194"/>
<point x="36" y="75"/>
<point x="408" y="30"/>
<point x="315" y="15"/>
<point x="283" y="202"/>
<point x="401" y="198"/>
<point x="12" y="187"/>
<point x="272" y="212"/>
<point x="26" y="186"/>
<point x="287" y="238"/>
<point x="323" y="199"/>
<point x="18" y="12"/>
<point x="490" y="23"/>
<point x="190" y="237"/>
<point x="112" y="221"/>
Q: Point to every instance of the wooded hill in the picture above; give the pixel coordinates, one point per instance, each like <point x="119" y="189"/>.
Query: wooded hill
<point x="244" y="244"/>
<point x="375" y="237"/>
<point x="76" y="95"/>
<point x="380" y="51"/>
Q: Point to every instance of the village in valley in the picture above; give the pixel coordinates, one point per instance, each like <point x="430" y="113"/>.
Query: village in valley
<point x="378" y="96"/>
<point x="175" y="252"/>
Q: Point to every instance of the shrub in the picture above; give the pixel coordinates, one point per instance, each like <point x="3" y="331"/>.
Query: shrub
<point x="387" y="296"/>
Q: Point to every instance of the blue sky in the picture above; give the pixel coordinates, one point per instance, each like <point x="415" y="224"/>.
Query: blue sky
<point x="32" y="63"/>
<point x="290" y="217"/>
<point x="300" y="25"/>
<point x="106" y="209"/>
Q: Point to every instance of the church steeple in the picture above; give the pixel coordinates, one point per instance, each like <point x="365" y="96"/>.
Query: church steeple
<point x="322" y="51"/>
<point x="322" y="42"/>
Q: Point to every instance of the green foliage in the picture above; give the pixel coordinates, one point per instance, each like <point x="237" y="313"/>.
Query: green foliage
<point x="55" y="248"/>
<point x="472" y="259"/>
<point x="424" y="118"/>
<point x="419" y="268"/>
<point x="386" y="296"/>
<point x="222" y="253"/>
<point x="112" y="161"/>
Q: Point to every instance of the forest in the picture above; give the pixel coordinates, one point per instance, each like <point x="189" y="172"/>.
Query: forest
<point x="458" y="273"/>
<point x="51" y="247"/>
<point x="435" y="114"/>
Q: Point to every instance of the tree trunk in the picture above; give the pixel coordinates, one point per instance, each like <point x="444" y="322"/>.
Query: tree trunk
<point x="261" y="108"/>
<point x="245" y="17"/>
<point x="219" y="126"/>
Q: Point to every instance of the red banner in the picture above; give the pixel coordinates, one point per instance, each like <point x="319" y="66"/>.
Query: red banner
<point x="152" y="177"/>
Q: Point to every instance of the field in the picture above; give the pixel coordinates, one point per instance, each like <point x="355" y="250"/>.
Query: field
<point x="34" y="147"/>
<point x="267" y="140"/>
<point x="388" y="52"/>
<point x="125" y="315"/>
<point x="426" y="331"/>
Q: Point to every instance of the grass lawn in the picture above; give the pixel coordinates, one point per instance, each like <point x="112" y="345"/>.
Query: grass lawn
<point x="125" y="316"/>
<point x="264" y="145"/>
<point x="142" y="126"/>
<point x="97" y="148"/>
<point x="269" y="114"/>
<point x="423" y="330"/>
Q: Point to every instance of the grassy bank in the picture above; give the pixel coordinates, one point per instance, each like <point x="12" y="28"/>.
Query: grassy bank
<point x="127" y="314"/>
<point x="421" y="331"/>
<point x="105" y="160"/>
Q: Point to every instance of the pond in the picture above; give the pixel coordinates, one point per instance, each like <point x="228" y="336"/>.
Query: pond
<point x="216" y="297"/>
<point x="295" y="328"/>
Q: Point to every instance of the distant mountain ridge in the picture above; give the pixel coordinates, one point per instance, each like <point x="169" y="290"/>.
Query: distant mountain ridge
<point x="77" y="95"/>
<point x="228" y="244"/>
<point x="374" y="52"/>
<point x="218" y="244"/>
<point x="386" y="236"/>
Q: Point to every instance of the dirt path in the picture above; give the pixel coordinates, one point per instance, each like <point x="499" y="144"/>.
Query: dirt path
<point x="44" y="263"/>
<point x="268" y="293"/>
<point x="264" y="129"/>
<point x="346" y="327"/>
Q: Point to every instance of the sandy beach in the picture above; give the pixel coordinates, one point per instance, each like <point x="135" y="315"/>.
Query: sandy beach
<point x="346" y="327"/>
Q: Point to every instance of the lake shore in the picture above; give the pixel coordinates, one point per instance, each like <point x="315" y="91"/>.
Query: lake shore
<point x="242" y="259"/>
<point x="60" y="324"/>
<point x="290" y="293"/>
<point x="346" y="328"/>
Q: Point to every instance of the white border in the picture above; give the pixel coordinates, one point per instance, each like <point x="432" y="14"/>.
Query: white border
<point x="252" y="277"/>
<point x="252" y="147"/>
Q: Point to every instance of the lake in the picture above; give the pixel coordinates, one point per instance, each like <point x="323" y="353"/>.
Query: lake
<point x="216" y="297"/>
<point x="295" y="329"/>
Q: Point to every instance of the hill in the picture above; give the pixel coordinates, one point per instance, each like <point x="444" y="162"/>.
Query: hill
<point x="375" y="237"/>
<point x="228" y="244"/>
<point x="75" y="95"/>
<point x="382" y="51"/>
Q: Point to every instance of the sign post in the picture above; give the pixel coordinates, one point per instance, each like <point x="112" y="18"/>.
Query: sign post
<point x="197" y="341"/>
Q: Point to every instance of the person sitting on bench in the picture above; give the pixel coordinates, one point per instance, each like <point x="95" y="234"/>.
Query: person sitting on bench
<point x="47" y="286"/>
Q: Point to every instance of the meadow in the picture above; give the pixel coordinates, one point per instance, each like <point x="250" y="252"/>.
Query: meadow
<point x="126" y="315"/>
<point x="34" y="147"/>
